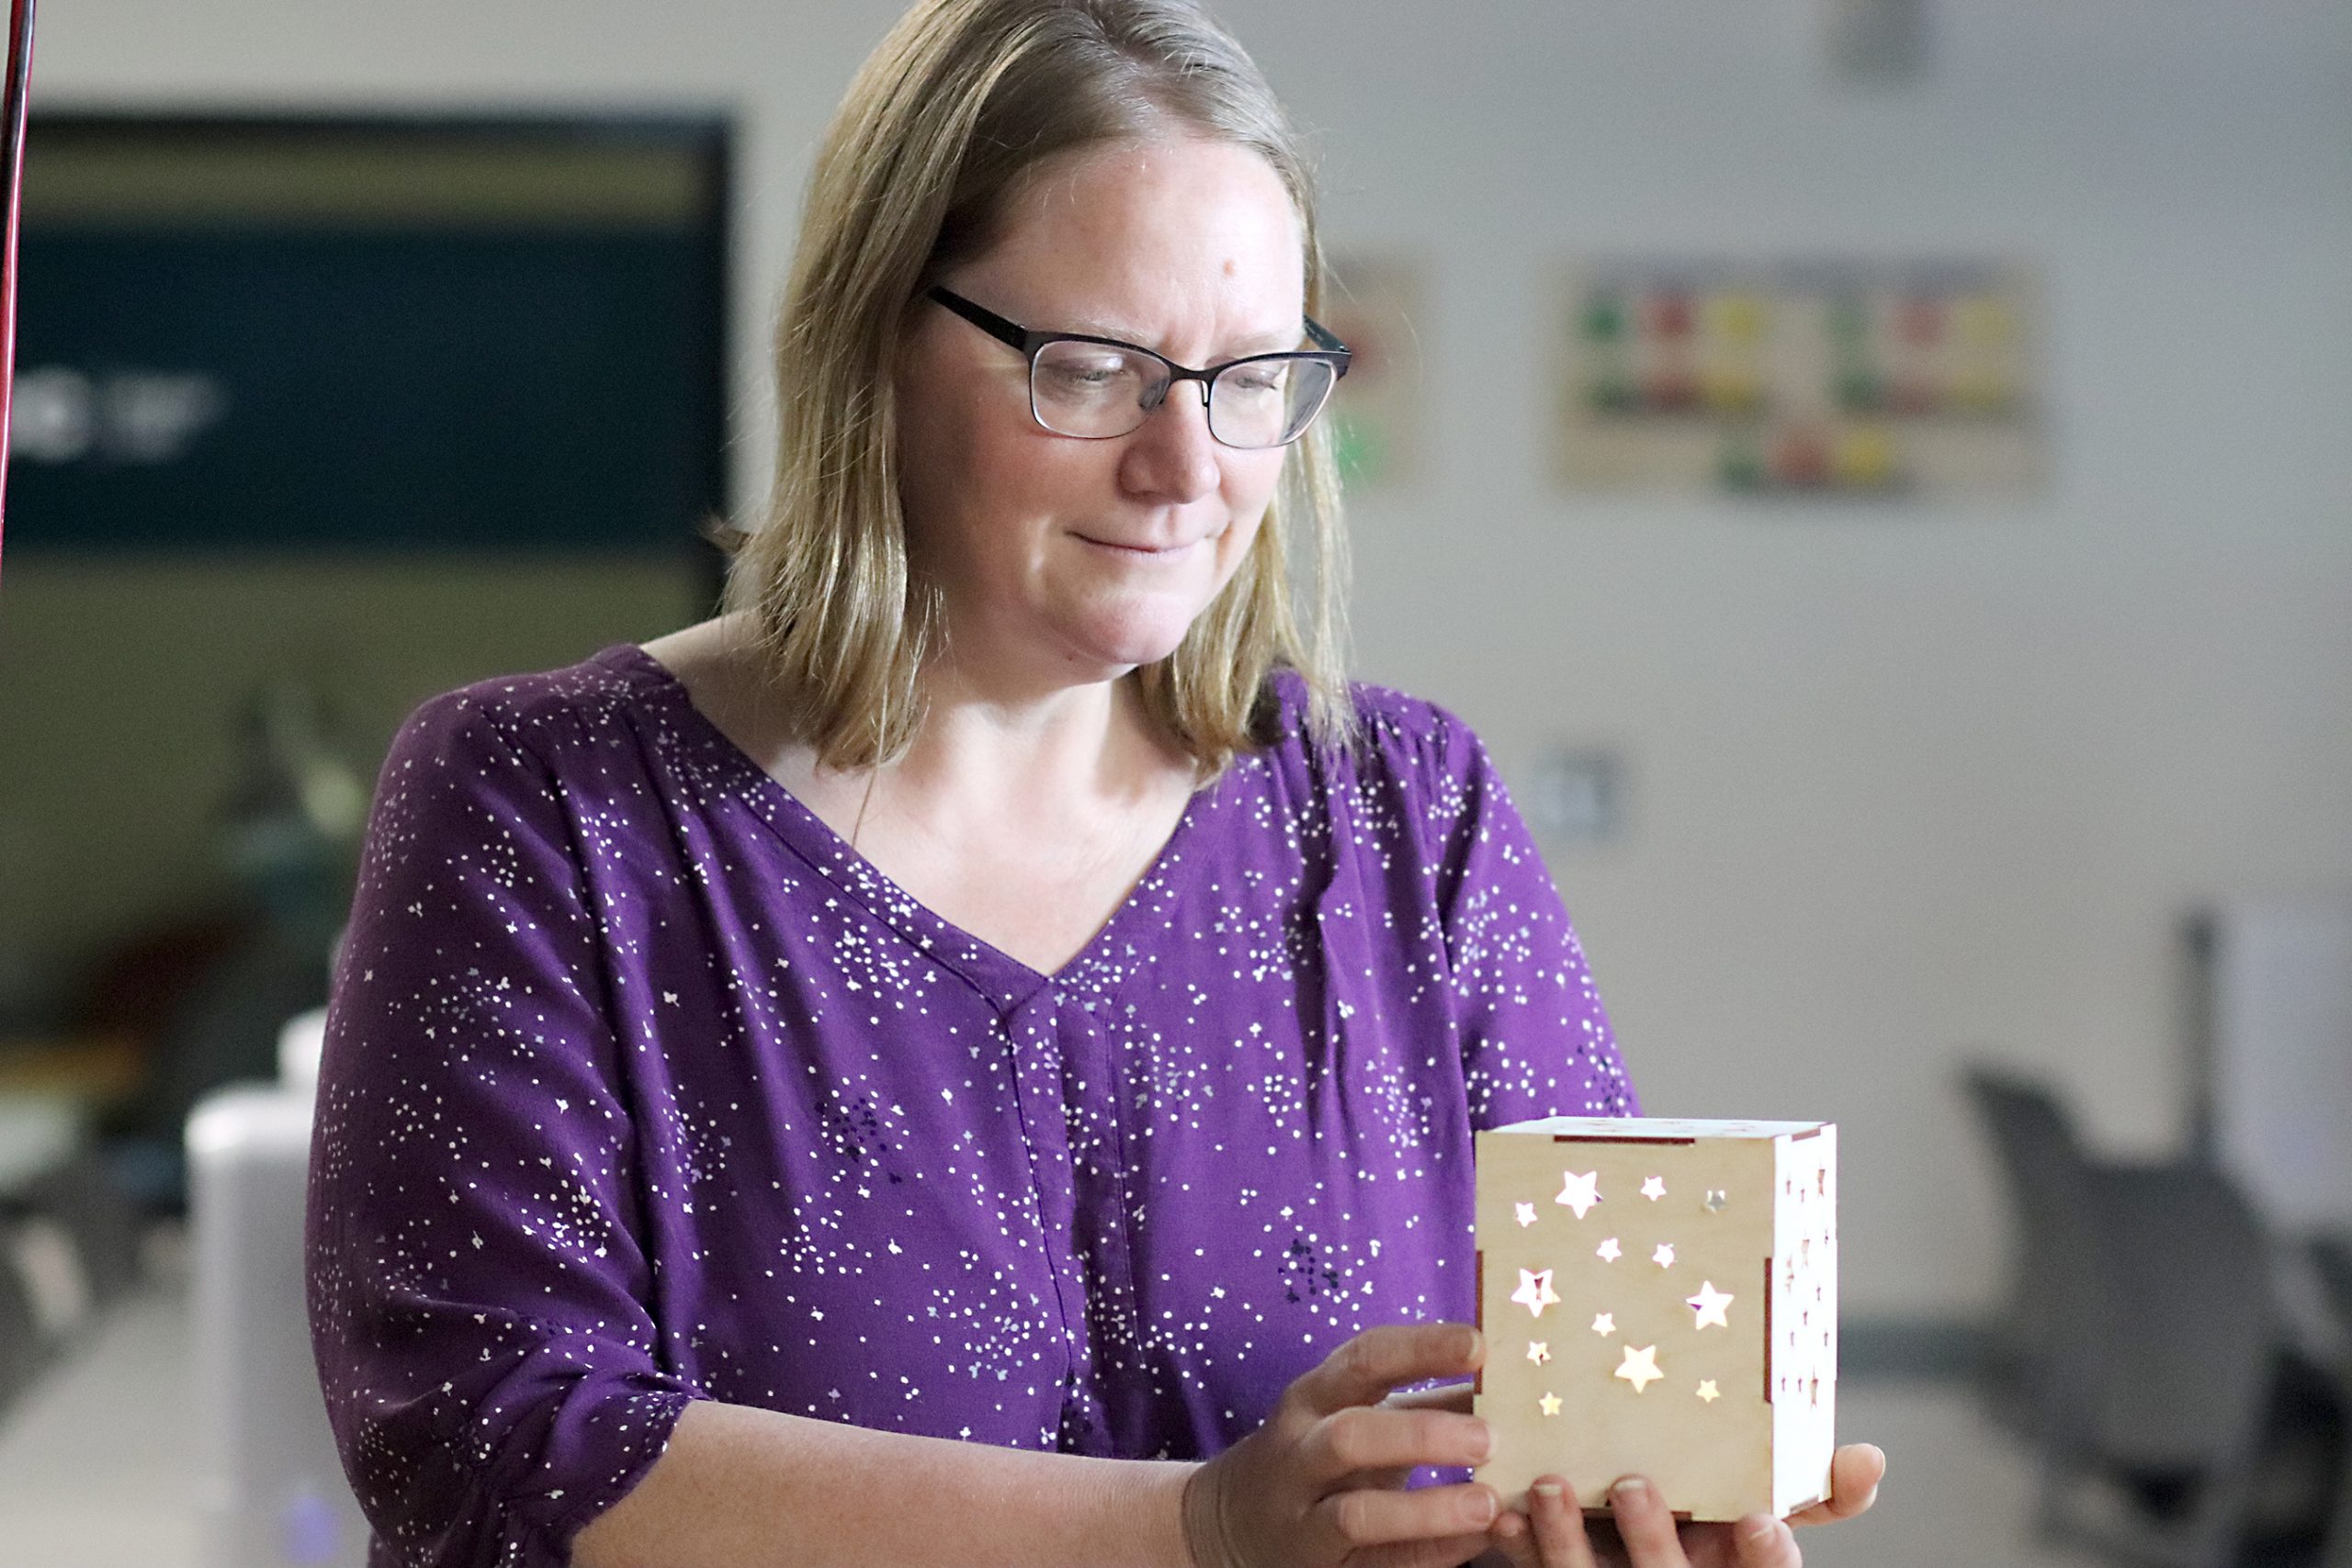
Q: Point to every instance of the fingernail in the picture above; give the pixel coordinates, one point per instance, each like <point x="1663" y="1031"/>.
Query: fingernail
<point x="1482" y="1444"/>
<point x="1547" y="1490"/>
<point x="1753" y="1530"/>
<point x="1482" y="1509"/>
<point x="1633" y="1491"/>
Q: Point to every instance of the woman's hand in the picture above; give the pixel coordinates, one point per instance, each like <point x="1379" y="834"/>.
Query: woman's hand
<point x="1553" y="1534"/>
<point x="1322" y="1483"/>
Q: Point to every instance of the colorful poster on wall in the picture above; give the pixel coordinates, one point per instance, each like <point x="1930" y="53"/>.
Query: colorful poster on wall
<point x="1372" y="302"/>
<point x="1871" y="380"/>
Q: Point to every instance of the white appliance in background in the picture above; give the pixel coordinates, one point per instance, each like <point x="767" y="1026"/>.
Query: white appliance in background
<point x="2278" y="1073"/>
<point x="273" y="1493"/>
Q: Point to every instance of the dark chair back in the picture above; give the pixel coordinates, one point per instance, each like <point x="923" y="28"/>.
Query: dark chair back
<point x="2191" y="1333"/>
<point x="104" y="1223"/>
<point x="2038" y="1374"/>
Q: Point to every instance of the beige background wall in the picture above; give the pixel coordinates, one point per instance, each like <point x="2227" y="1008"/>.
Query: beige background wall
<point x="1905" y="784"/>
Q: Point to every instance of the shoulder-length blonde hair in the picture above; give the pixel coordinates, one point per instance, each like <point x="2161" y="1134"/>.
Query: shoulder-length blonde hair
<point x="960" y="101"/>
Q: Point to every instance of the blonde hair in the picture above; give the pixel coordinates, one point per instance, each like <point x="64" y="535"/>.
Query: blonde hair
<point x="960" y="101"/>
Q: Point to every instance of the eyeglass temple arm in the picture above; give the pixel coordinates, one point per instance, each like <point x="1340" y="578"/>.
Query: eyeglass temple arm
<point x="1323" y="338"/>
<point x="987" y="320"/>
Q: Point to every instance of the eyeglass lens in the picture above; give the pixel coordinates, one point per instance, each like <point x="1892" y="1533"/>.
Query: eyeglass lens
<point x="1096" y="391"/>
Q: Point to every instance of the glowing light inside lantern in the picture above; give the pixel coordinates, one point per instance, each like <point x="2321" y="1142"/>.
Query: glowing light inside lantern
<point x="1580" y="1193"/>
<point x="1640" y="1367"/>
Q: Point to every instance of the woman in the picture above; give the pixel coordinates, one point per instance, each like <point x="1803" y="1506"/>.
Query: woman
<point x="907" y="1071"/>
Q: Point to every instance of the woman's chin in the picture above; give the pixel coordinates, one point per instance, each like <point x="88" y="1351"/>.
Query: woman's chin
<point x="1116" y="645"/>
<point x="1109" y="662"/>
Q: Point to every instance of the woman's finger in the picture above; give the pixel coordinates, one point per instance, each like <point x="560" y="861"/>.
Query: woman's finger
<point x="1760" y="1541"/>
<point x="1451" y="1551"/>
<point x="1855" y="1471"/>
<point x="1513" y="1537"/>
<point x="1374" y="1364"/>
<point x="1364" y="1437"/>
<point x="1348" y="1521"/>
<point x="1557" y="1522"/>
<point x="1646" y="1525"/>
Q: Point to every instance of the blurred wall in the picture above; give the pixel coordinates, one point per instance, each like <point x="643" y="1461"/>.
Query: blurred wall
<point x="1906" y="784"/>
<point x="125" y="684"/>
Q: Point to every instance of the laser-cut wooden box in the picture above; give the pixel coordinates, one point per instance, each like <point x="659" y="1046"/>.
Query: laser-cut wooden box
<point x="1660" y="1298"/>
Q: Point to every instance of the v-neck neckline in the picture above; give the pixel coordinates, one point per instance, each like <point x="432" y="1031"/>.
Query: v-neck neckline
<point x="846" y="866"/>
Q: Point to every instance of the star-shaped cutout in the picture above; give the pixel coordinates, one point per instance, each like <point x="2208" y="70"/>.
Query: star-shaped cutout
<point x="1716" y="1199"/>
<point x="1640" y="1367"/>
<point x="1664" y="1255"/>
<point x="1605" y="1324"/>
<point x="1709" y="1304"/>
<point x="1609" y="1251"/>
<point x="1551" y="1403"/>
<point x="1539" y="1352"/>
<point x="1534" y="1291"/>
<point x="1654" y="1189"/>
<point x="1709" y="1391"/>
<point x="1526" y="1215"/>
<point x="1580" y="1193"/>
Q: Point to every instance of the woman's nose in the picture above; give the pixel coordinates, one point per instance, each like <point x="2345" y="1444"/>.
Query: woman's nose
<point x="1172" y="455"/>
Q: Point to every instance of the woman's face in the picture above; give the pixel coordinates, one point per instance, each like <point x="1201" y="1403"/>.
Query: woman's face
<point x="1064" y="560"/>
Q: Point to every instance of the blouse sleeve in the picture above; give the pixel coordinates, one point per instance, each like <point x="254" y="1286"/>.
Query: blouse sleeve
<point x="1535" y="1039"/>
<point x="477" y="1284"/>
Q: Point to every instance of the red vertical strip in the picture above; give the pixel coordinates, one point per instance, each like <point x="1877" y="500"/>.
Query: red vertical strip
<point x="1478" y="1311"/>
<point x="12" y="171"/>
<point x="1768" y="1329"/>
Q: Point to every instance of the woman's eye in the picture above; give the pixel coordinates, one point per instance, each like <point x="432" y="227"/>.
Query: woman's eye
<point x="1080" y="374"/>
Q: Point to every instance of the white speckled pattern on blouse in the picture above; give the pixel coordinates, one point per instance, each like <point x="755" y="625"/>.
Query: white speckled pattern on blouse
<point x="642" y="1087"/>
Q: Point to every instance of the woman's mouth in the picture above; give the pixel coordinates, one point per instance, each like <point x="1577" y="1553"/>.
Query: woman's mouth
<point x="1141" y="552"/>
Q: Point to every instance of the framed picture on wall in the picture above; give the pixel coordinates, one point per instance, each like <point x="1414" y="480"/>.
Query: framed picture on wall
<point x="1881" y="380"/>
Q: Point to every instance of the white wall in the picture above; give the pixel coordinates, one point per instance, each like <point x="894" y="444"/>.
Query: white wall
<point x="1906" y="783"/>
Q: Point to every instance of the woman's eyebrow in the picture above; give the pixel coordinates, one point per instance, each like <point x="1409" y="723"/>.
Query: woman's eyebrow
<point x="1270" y="342"/>
<point x="1241" y="348"/>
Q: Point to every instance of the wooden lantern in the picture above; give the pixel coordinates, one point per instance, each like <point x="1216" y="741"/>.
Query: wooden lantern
<point x="1659" y="1299"/>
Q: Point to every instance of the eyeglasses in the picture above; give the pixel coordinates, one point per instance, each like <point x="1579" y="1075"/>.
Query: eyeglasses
<point x="1096" y="388"/>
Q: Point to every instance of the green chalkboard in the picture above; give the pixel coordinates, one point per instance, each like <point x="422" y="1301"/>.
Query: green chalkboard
<point x="369" y="336"/>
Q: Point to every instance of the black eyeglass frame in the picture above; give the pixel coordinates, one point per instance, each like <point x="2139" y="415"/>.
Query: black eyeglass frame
<point x="1327" y="349"/>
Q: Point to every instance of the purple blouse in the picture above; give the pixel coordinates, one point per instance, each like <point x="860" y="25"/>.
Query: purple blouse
<point x="641" y="1087"/>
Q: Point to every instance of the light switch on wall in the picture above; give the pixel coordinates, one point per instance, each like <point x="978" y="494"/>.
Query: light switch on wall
<point x="1575" y="795"/>
<point x="1875" y="42"/>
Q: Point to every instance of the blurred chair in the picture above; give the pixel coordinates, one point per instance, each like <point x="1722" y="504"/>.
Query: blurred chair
<point x="70" y="1248"/>
<point x="2333" y="1256"/>
<point x="23" y="1342"/>
<point x="2177" y="1379"/>
<point x="100" y="1218"/>
<point x="2147" y="1359"/>
<point x="2053" y="1297"/>
<point x="225" y="1032"/>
